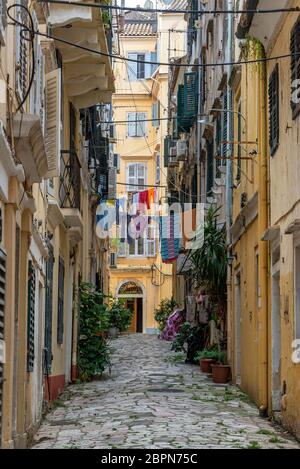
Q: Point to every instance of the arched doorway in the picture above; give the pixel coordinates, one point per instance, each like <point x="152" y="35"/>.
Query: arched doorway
<point x="133" y="294"/>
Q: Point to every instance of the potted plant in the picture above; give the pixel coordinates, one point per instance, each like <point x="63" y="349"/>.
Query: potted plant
<point x="220" y="371"/>
<point x="206" y="358"/>
<point x="119" y="318"/>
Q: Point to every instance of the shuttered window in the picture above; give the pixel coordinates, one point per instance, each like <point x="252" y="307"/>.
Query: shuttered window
<point x="155" y="115"/>
<point x="191" y="94"/>
<point x="53" y="120"/>
<point x="31" y="317"/>
<point x="2" y="306"/>
<point x="60" y="303"/>
<point x="48" y="311"/>
<point x="295" y="68"/>
<point x="112" y="183"/>
<point x="274" y="110"/>
<point x="136" y="177"/>
<point x="3" y="21"/>
<point x="140" y="70"/>
<point x="21" y="54"/>
<point x="224" y="127"/>
<point x="210" y="167"/>
<point x="136" y="128"/>
<point x="239" y="147"/>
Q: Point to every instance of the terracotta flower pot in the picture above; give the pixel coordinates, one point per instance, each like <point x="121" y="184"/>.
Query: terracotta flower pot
<point x="205" y="364"/>
<point x="220" y="373"/>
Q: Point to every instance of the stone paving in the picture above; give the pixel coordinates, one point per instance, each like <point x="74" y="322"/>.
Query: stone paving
<point x="152" y="399"/>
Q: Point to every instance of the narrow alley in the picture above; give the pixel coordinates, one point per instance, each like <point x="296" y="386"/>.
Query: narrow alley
<point x="151" y="400"/>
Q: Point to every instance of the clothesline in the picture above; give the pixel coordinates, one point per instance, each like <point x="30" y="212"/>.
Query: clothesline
<point x="140" y="185"/>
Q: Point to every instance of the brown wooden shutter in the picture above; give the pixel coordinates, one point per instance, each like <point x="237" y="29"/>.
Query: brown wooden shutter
<point x="53" y="107"/>
<point x="31" y="317"/>
<point x="2" y="312"/>
<point x="274" y="110"/>
<point x="295" y="64"/>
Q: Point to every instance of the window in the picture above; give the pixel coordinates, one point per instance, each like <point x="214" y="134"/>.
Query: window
<point x="155" y="115"/>
<point x="274" y="110"/>
<point x="140" y="70"/>
<point x="145" y="246"/>
<point x="136" y="128"/>
<point x="295" y="68"/>
<point x="30" y="317"/>
<point x="48" y="310"/>
<point x="224" y="127"/>
<point x="151" y="241"/>
<point x="239" y="138"/>
<point x="157" y="169"/>
<point x="3" y="21"/>
<point x="137" y="247"/>
<point x="60" y="304"/>
<point x="136" y="176"/>
<point x="21" y="55"/>
<point x="38" y="85"/>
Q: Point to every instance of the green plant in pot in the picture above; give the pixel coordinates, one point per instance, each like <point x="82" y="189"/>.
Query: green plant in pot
<point x="206" y="358"/>
<point x="120" y="318"/>
<point x="220" y="370"/>
<point x="162" y="313"/>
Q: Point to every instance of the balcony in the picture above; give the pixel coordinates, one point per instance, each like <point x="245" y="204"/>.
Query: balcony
<point x="88" y="77"/>
<point x="70" y="188"/>
<point x="30" y="146"/>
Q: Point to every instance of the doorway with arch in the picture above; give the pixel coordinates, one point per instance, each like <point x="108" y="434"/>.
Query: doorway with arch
<point x="133" y="293"/>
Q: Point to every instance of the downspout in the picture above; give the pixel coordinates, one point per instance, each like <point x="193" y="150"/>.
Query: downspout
<point x="230" y="136"/>
<point x="263" y="226"/>
<point x="199" y="125"/>
<point x="229" y="180"/>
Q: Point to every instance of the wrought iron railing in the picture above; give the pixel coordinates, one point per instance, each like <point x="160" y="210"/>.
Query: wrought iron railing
<point x="69" y="190"/>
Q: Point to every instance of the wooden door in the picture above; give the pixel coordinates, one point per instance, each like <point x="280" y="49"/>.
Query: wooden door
<point x="131" y="304"/>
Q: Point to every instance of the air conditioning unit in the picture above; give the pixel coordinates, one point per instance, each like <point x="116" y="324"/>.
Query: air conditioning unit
<point x="182" y="150"/>
<point x="113" y="259"/>
<point x="117" y="162"/>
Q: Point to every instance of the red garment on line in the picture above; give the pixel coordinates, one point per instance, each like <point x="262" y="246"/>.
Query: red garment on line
<point x="144" y="198"/>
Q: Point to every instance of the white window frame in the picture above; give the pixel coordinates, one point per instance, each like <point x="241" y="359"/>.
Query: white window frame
<point x="149" y="245"/>
<point x="133" y="66"/>
<point x="37" y="94"/>
<point x="136" y="129"/>
<point x="134" y="182"/>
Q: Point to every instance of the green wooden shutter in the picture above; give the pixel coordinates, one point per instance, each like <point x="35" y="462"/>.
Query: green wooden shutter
<point x="2" y="311"/>
<point x="239" y="148"/>
<point x="182" y="121"/>
<point x="295" y="64"/>
<point x="60" y="304"/>
<point x="31" y="317"/>
<point x="191" y="95"/>
<point x="224" y="128"/>
<point x="167" y="141"/>
<point x="274" y="110"/>
<point x="210" y="167"/>
<point x="48" y="311"/>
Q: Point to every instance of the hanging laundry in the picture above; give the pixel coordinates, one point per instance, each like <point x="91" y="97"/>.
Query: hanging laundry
<point x="144" y="198"/>
<point x="152" y="195"/>
<point x="170" y="237"/>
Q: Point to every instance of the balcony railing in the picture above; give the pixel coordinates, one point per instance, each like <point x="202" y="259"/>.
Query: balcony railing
<point x="69" y="190"/>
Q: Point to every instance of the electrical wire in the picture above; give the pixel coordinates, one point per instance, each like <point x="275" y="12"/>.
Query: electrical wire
<point x="149" y="62"/>
<point x="171" y="10"/>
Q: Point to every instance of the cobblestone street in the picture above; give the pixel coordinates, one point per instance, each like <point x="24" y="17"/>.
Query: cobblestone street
<point x="153" y="400"/>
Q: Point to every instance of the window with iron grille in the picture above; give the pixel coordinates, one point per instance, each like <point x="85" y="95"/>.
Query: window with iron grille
<point x="274" y="110"/>
<point x="2" y="306"/>
<point x="48" y="310"/>
<point x="295" y="68"/>
<point x="60" y="304"/>
<point x="31" y="316"/>
<point x="21" y="53"/>
<point x="3" y="21"/>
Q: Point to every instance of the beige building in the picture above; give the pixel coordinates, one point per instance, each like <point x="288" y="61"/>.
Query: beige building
<point x="138" y="274"/>
<point x="47" y="190"/>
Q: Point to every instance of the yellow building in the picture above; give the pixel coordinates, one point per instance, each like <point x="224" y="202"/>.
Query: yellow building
<point x="48" y="241"/>
<point x="138" y="274"/>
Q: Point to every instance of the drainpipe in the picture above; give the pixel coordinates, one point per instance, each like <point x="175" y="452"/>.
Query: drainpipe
<point x="229" y="178"/>
<point x="230" y="136"/>
<point x="263" y="246"/>
<point x="199" y="125"/>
